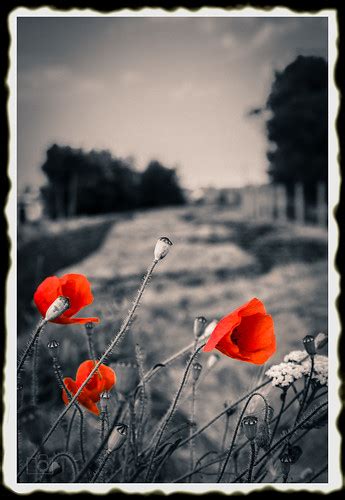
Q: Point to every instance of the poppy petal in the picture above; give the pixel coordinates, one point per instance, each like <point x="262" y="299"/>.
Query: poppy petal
<point x="224" y="328"/>
<point x="84" y="371"/>
<point x="71" y="386"/>
<point x="46" y="293"/>
<point x="78" y="289"/>
<point x="254" y="306"/>
<point x="255" y="332"/>
<point x="68" y="321"/>
<point x="108" y="378"/>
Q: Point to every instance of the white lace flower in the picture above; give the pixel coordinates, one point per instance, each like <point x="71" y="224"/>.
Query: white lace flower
<point x="284" y="374"/>
<point x="296" y="356"/>
<point x="320" y="368"/>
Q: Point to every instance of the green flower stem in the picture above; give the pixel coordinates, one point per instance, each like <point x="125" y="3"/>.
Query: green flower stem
<point x="101" y="467"/>
<point x="226" y="461"/>
<point x="276" y="445"/>
<point x="34" y="372"/>
<point x="31" y="343"/>
<point x="62" y="385"/>
<point x="306" y="390"/>
<point x="117" y="339"/>
<point x="69" y="430"/>
<point x="170" y="413"/>
<point x="283" y="401"/>
<point x="252" y="460"/>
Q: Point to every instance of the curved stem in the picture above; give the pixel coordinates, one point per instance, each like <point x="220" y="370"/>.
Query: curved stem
<point x="283" y="401"/>
<point x="70" y="428"/>
<point x="171" y="411"/>
<point x="56" y="457"/>
<point x="116" y="340"/>
<point x="30" y="344"/>
<point x="284" y="438"/>
<point x="220" y="476"/>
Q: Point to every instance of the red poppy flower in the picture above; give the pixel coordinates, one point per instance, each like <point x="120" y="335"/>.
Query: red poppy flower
<point x="246" y="334"/>
<point x="73" y="286"/>
<point x="102" y="380"/>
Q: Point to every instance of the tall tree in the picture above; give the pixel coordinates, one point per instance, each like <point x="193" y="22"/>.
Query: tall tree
<point x="298" y="125"/>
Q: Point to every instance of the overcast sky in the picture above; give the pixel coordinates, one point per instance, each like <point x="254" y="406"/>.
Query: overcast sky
<point x="173" y="89"/>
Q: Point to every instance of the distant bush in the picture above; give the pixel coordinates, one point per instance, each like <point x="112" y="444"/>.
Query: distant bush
<point x="95" y="182"/>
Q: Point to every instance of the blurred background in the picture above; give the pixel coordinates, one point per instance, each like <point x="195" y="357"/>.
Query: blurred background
<point x="211" y="131"/>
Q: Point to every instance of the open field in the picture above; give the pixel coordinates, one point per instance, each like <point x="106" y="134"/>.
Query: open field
<point x="218" y="262"/>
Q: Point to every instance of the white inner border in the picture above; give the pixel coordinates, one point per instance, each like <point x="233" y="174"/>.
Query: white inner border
<point x="10" y="390"/>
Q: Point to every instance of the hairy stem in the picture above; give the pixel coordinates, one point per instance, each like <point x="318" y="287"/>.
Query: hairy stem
<point x="171" y="411"/>
<point x="31" y="343"/>
<point x="116" y="340"/>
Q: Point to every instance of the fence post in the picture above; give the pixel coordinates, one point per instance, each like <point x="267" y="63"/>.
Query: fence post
<point x="299" y="203"/>
<point x="321" y="206"/>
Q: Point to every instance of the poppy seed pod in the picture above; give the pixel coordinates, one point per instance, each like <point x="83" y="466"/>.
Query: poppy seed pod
<point x="199" y="326"/>
<point x="58" y="307"/>
<point x="286" y="462"/>
<point x="250" y="426"/>
<point x="117" y="437"/>
<point x="309" y="344"/>
<point x="104" y="398"/>
<point x="53" y="344"/>
<point x="197" y="367"/>
<point x="162" y="248"/>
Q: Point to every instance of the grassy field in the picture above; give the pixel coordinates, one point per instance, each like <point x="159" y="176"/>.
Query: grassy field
<point x="218" y="262"/>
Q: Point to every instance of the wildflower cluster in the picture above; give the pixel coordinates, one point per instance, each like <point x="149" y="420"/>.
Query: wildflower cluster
<point x="285" y="374"/>
<point x="130" y="448"/>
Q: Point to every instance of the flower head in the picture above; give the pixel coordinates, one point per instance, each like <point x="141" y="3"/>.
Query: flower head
<point x="246" y="334"/>
<point x="102" y="380"/>
<point x="320" y="372"/>
<point x="295" y="356"/>
<point x="285" y="374"/>
<point x="58" y="299"/>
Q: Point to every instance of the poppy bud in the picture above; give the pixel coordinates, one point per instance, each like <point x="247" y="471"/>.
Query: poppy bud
<point x="104" y="398"/>
<point x="117" y="437"/>
<point x="286" y="462"/>
<point x="199" y="326"/>
<point x="162" y="248"/>
<point x="250" y="426"/>
<point x="53" y="344"/>
<point x="309" y="344"/>
<point x="212" y="360"/>
<point x="197" y="367"/>
<point x="58" y="307"/>
<point x="54" y="469"/>
<point x="321" y="340"/>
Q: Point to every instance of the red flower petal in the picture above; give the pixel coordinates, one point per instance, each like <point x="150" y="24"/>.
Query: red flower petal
<point x="246" y="334"/>
<point x="108" y="377"/>
<point x="62" y="320"/>
<point x="73" y="286"/>
<point x="84" y="371"/>
<point x="78" y="290"/>
<point x="47" y="292"/>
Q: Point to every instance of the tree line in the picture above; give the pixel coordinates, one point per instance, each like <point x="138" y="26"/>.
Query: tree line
<point x="96" y="182"/>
